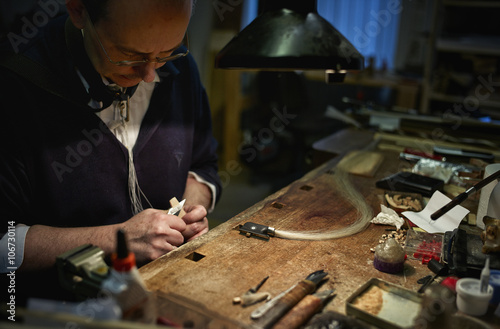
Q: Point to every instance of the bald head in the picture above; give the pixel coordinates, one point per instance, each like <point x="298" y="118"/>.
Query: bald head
<point x="100" y="9"/>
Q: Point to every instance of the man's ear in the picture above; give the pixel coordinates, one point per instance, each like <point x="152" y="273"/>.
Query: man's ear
<point x="77" y="12"/>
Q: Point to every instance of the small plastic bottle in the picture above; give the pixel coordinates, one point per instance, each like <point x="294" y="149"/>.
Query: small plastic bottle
<point x="126" y="286"/>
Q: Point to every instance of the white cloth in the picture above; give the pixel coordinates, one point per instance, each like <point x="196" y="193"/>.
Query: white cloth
<point x="138" y="105"/>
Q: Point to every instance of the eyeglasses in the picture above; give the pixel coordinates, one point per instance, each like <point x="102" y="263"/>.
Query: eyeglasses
<point x="158" y="60"/>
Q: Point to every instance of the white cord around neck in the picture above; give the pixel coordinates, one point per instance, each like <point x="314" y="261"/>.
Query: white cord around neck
<point x="119" y="127"/>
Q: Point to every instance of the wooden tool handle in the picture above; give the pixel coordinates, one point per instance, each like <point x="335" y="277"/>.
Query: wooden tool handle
<point x="286" y="302"/>
<point x="300" y="314"/>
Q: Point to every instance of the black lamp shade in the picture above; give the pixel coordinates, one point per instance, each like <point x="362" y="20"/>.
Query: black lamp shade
<point x="288" y="36"/>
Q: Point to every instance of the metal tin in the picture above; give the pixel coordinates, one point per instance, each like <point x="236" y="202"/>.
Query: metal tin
<point x="397" y="307"/>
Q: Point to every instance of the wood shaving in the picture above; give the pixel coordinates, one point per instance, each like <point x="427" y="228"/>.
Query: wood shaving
<point x="398" y="235"/>
<point x="371" y="301"/>
<point x="403" y="202"/>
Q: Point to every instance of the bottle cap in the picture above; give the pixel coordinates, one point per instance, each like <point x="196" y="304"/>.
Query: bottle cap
<point x="122" y="259"/>
<point x="450" y="282"/>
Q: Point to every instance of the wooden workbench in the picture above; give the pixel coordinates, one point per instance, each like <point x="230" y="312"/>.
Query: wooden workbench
<point x="206" y="274"/>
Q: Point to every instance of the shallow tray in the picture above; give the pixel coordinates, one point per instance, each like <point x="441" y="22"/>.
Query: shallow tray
<point x="384" y="304"/>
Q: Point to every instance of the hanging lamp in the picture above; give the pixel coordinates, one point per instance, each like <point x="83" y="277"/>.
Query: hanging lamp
<point x="291" y="35"/>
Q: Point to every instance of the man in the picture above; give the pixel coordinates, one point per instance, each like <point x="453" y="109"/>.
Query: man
<point x="112" y="123"/>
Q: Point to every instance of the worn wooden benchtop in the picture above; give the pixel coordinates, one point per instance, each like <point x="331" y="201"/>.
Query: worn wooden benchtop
<point x="207" y="273"/>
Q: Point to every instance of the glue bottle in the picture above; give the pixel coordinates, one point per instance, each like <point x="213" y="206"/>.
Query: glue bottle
<point x="125" y="285"/>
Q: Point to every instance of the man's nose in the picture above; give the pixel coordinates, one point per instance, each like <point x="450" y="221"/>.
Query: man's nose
<point x="147" y="71"/>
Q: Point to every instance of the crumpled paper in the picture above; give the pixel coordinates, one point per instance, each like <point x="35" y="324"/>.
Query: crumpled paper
<point x="388" y="216"/>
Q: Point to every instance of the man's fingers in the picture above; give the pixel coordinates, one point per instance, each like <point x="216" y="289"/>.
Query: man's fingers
<point x="195" y="229"/>
<point x="194" y="214"/>
<point x="205" y="230"/>
<point x="175" y="222"/>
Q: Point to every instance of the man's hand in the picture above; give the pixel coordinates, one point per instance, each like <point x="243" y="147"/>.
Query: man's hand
<point x="152" y="233"/>
<point x="196" y="222"/>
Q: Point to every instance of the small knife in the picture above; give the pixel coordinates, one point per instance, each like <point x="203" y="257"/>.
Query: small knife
<point x="177" y="209"/>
